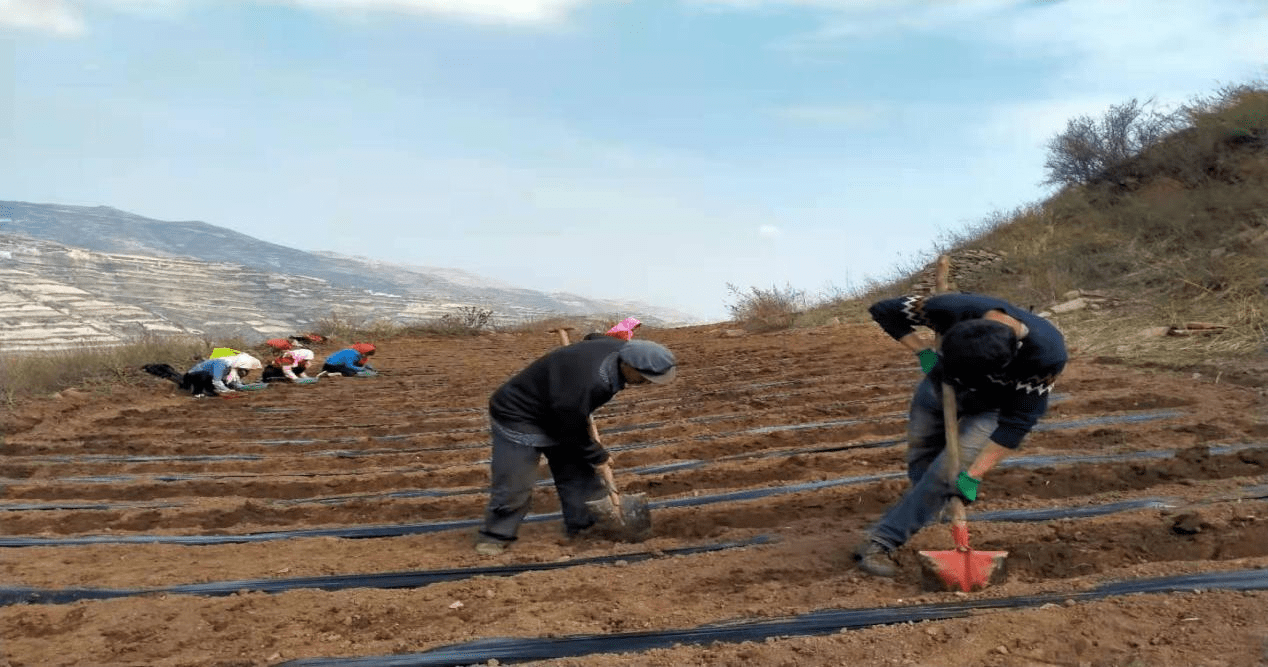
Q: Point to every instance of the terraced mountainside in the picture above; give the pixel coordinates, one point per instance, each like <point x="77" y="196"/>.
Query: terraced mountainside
<point x="76" y="275"/>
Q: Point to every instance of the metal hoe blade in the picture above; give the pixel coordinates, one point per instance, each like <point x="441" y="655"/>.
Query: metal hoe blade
<point x="631" y="522"/>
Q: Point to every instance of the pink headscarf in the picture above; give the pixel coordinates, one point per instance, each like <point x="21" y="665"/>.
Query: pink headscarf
<point x="625" y="329"/>
<point x="296" y="357"/>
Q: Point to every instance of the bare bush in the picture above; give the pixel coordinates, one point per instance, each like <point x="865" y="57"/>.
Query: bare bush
<point x="1090" y="149"/>
<point x="765" y="309"/>
<point x="474" y="317"/>
<point x="468" y="321"/>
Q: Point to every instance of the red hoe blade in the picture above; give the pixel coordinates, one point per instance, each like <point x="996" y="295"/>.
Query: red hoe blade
<point x="962" y="568"/>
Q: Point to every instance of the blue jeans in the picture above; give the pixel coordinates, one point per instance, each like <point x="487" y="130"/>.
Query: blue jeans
<point x="348" y="371"/>
<point x="926" y="465"/>
<point x="514" y="472"/>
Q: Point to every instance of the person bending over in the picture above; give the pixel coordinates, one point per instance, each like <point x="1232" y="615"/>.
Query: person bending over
<point x="351" y="361"/>
<point x="1001" y="361"/>
<point x="544" y="410"/>
<point x="222" y="375"/>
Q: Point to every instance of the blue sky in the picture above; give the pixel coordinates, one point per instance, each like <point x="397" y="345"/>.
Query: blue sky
<point x="643" y="149"/>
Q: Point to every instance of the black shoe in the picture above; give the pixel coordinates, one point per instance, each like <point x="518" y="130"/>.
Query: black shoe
<point x="875" y="558"/>
<point x="580" y="531"/>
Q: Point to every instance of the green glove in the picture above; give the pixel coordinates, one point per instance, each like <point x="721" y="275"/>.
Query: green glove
<point x="928" y="358"/>
<point x="967" y="486"/>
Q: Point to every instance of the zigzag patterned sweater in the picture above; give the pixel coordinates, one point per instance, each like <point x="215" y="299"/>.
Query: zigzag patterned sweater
<point x="1020" y="392"/>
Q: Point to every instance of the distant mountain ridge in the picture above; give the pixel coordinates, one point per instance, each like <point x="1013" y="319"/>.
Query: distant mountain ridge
<point x="166" y="269"/>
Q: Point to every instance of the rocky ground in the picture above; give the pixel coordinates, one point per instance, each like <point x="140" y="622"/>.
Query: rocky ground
<point x="290" y="506"/>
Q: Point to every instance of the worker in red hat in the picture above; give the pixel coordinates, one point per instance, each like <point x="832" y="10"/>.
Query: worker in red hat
<point x="351" y="361"/>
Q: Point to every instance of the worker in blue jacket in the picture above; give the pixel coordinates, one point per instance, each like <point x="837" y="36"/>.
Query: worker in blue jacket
<point x="545" y="410"/>
<point x="351" y="362"/>
<point x="1001" y="361"/>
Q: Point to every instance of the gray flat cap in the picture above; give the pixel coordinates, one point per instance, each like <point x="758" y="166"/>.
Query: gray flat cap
<point x="651" y="360"/>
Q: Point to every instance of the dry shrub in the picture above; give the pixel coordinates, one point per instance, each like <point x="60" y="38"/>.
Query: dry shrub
<point x="468" y="321"/>
<point x="765" y="309"/>
<point x="1094" y="149"/>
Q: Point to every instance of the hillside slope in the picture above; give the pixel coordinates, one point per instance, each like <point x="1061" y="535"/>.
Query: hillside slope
<point x="1161" y="259"/>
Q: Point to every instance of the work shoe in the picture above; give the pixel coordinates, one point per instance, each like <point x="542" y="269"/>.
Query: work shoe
<point x="875" y="558"/>
<point x="490" y="547"/>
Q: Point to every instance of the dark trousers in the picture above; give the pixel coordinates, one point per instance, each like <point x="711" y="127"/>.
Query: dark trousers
<point x="514" y="470"/>
<point x="346" y="371"/>
<point x="274" y="373"/>
<point x="198" y="383"/>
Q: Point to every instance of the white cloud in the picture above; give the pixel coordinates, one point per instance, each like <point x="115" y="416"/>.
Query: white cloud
<point x="508" y="11"/>
<point x="67" y="17"/>
<point x="1171" y="46"/>
<point x="769" y="232"/>
<point x="53" y="16"/>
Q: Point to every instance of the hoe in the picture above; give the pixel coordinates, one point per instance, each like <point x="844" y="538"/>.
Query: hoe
<point x="962" y="568"/>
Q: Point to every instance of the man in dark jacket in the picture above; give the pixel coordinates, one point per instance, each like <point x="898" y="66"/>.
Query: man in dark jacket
<point x="545" y="410"/>
<point x="1001" y="361"/>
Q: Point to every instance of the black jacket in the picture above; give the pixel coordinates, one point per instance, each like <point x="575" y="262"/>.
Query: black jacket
<point x="556" y="394"/>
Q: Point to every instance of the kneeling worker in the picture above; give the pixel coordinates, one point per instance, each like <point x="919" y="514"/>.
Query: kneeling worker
<point x="222" y="375"/>
<point x="545" y="410"/>
<point x="290" y="366"/>
<point x="351" y="362"/>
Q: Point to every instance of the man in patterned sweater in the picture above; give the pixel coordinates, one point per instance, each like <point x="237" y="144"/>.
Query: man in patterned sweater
<point x="1002" y="361"/>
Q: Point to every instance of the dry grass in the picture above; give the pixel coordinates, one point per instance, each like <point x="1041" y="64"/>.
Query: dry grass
<point x="96" y="368"/>
<point x="351" y="328"/>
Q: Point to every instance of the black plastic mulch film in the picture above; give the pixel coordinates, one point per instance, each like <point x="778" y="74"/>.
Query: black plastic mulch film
<point x="734" y="496"/>
<point x="385" y="580"/>
<point x="822" y="622"/>
<point x="108" y="479"/>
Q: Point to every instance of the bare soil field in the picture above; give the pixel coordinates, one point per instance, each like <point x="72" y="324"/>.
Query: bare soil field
<point x="332" y="524"/>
